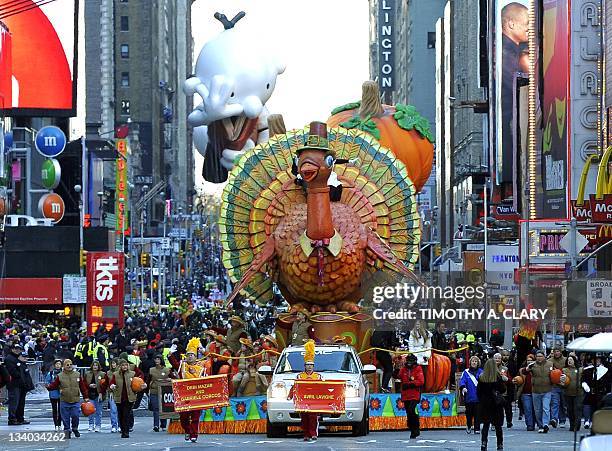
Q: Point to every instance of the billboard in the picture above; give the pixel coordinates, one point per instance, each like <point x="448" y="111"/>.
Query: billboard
<point x="552" y="147"/>
<point x="31" y="291"/>
<point x="105" y="285"/>
<point x="6" y="67"/>
<point x="386" y="43"/>
<point x="511" y="60"/>
<point x="43" y="58"/>
<point x="121" y="188"/>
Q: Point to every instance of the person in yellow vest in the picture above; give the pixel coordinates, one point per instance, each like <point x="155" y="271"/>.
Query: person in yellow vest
<point x="309" y="420"/>
<point x="101" y="352"/>
<point x="190" y="368"/>
<point x="68" y="382"/>
<point x="121" y="385"/>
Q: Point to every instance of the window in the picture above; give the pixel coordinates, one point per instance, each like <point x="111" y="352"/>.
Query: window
<point x="125" y="79"/>
<point x="431" y="40"/>
<point x="125" y="23"/>
<point x="125" y="107"/>
<point x="125" y="51"/>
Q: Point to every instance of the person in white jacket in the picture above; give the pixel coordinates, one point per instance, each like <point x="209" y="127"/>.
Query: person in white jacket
<point x="419" y="342"/>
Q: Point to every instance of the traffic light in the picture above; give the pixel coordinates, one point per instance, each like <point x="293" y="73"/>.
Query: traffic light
<point x="83" y="258"/>
<point x="144" y="259"/>
<point x="155" y="285"/>
<point x="86" y="221"/>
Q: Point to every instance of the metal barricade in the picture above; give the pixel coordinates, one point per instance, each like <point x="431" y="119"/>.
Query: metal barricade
<point x="37" y="375"/>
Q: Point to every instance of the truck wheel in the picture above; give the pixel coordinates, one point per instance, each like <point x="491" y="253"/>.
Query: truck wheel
<point x="360" y="429"/>
<point x="275" y="431"/>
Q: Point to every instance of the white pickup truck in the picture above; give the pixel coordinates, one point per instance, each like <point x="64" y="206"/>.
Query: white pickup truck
<point x="334" y="362"/>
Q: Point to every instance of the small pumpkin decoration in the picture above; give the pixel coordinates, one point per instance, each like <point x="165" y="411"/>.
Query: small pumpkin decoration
<point x="555" y="376"/>
<point x="137" y="384"/>
<point x="399" y="128"/>
<point x="88" y="408"/>
<point x="438" y="373"/>
<point x="518" y="380"/>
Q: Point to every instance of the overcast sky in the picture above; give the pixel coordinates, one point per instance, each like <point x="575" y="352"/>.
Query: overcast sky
<point x="324" y="44"/>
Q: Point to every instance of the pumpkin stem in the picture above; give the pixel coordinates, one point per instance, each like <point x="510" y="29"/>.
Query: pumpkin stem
<point x="370" y="100"/>
<point x="276" y="125"/>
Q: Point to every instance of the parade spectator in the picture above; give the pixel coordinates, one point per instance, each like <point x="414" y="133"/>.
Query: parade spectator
<point x="54" y="395"/>
<point x="524" y="392"/>
<point x="411" y="379"/>
<point x="509" y="371"/>
<point x="16" y="387"/>
<point x="468" y="385"/>
<point x="573" y="393"/>
<point x="490" y="390"/>
<point x="158" y="374"/>
<point x="69" y="386"/>
<point x="101" y="352"/>
<point x="540" y="390"/>
<point x="596" y="382"/>
<point x="112" y="405"/>
<point x="94" y="384"/>
<point x="557" y="404"/>
<point x="121" y="385"/>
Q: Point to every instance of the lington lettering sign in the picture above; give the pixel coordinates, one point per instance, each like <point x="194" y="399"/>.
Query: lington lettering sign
<point x="386" y="43"/>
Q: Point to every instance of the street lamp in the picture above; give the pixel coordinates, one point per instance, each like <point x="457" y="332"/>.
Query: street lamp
<point x="78" y="189"/>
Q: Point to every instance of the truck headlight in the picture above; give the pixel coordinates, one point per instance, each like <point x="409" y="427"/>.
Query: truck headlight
<point x="351" y="390"/>
<point x="278" y="390"/>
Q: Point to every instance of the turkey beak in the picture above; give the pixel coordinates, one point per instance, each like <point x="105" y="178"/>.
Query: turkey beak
<point x="309" y="171"/>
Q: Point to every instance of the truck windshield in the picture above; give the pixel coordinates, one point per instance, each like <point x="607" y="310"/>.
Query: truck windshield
<point x="325" y="361"/>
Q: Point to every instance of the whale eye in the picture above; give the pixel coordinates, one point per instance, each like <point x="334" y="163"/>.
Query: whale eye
<point x="268" y="86"/>
<point x="329" y="161"/>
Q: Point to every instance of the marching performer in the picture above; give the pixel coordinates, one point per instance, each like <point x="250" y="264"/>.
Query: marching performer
<point x="310" y="420"/>
<point x="190" y="368"/>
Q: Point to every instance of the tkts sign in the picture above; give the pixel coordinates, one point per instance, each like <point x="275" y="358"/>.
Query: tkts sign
<point x="105" y="274"/>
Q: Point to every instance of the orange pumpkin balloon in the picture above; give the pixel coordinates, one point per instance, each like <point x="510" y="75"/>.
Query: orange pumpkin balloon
<point x="438" y="373"/>
<point x="137" y="384"/>
<point x="398" y="128"/>
<point x="518" y="380"/>
<point x="88" y="408"/>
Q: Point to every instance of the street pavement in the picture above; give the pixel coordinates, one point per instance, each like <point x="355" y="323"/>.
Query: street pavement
<point x="143" y="437"/>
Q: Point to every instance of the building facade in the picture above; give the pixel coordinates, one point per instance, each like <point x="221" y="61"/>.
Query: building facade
<point x="138" y="53"/>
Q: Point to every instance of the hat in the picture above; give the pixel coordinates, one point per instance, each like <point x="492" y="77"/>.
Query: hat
<point x="460" y="337"/>
<point x="271" y="339"/>
<point x="247" y="342"/>
<point x="309" y="352"/>
<point x="103" y="338"/>
<point x="317" y="138"/>
<point x="237" y="319"/>
<point x="193" y="346"/>
<point x="411" y="357"/>
<point x="302" y="309"/>
<point x="210" y="332"/>
<point x="16" y="346"/>
<point x="470" y="338"/>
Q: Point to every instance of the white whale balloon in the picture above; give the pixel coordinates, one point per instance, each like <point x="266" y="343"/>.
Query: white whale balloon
<point x="235" y="75"/>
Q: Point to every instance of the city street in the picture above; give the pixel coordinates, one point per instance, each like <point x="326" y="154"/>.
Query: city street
<point x="143" y="437"/>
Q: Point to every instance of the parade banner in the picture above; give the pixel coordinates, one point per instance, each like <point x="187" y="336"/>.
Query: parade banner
<point x="105" y="283"/>
<point x="200" y="393"/>
<point x="319" y="396"/>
